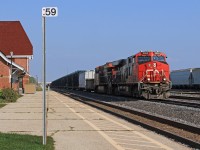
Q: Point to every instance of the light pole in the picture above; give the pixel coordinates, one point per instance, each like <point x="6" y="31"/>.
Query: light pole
<point x="11" y="55"/>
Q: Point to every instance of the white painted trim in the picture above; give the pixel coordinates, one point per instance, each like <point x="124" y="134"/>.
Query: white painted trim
<point x="27" y="66"/>
<point x="28" y="74"/>
<point x="21" y="56"/>
<point x="9" y="61"/>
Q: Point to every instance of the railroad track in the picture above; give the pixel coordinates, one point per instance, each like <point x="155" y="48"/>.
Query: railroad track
<point x="178" y="102"/>
<point x="189" y="91"/>
<point x="193" y="103"/>
<point x="184" y="133"/>
<point x="185" y="97"/>
<point x="190" y="95"/>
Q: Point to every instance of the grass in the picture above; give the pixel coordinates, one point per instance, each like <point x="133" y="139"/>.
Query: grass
<point x="2" y="105"/>
<point x="4" y="102"/>
<point x="11" y="141"/>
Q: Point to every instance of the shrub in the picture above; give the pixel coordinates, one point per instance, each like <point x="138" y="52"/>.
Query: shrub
<point x="0" y="93"/>
<point x="9" y="95"/>
<point x="38" y="88"/>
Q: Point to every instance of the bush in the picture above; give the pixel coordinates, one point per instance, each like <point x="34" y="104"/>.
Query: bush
<point x="0" y="93"/>
<point x="38" y="88"/>
<point x="9" y="95"/>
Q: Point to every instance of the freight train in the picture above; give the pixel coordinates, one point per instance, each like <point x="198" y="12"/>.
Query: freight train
<point x="145" y="74"/>
<point x="186" y="78"/>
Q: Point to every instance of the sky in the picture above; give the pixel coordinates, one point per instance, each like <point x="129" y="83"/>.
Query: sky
<point x="89" y="33"/>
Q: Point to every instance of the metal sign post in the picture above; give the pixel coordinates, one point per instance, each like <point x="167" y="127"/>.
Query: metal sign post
<point x="11" y="70"/>
<point x="46" y="12"/>
<point x="44" y="82"/>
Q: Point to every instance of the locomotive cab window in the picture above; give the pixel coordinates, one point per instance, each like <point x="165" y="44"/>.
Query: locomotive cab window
<point x="159" y="58"/>
<point x="143" y="59"/>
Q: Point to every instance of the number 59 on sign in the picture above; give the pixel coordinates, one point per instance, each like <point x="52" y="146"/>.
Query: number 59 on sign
<point x="49" y="11"/>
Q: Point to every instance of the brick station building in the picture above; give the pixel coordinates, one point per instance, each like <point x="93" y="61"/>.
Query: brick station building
<point x="16" y="51"/>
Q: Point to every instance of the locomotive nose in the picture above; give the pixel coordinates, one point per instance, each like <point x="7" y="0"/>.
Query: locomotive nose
<point x="154" y="65"/>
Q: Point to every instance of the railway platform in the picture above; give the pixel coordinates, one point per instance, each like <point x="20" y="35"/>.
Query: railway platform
<point x="76" y="126"/>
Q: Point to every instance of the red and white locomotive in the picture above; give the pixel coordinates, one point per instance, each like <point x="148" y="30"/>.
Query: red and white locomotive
<point x="145" y="74"/>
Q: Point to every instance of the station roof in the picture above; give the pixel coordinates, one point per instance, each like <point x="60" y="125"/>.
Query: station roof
<point x="14" y="38"/>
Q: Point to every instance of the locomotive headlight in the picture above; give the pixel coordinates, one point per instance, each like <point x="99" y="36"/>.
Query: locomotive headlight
<point x="164" y="79"/>
<point x="148" y="79"/>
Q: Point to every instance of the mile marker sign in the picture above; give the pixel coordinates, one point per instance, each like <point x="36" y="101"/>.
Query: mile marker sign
<point x="46" y="12"/>
<point x="49" y="11"/>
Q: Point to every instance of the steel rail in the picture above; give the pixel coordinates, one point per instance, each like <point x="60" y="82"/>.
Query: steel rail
<point x="174" y="102"/>
<point x="185" y="97"/>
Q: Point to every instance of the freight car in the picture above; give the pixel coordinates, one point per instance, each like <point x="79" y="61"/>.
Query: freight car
<point x="186" y="78"/>
<point x="145" y="74"/>
<point x="86" y="80"/>
<point x="70" y="81"/>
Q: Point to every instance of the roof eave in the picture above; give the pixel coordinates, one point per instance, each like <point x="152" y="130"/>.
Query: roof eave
<point x="9" y="61"/>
